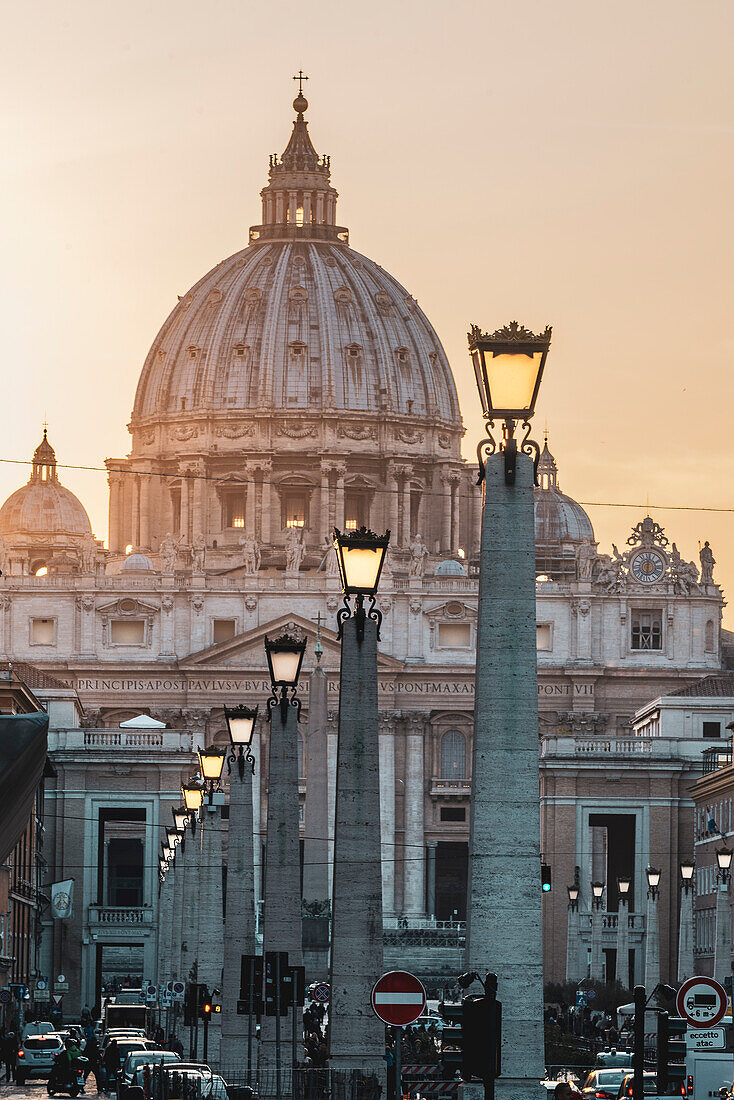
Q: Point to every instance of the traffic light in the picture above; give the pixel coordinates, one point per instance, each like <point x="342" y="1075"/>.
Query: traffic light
<point x="190" y="1004"/>
<point x="671" y="1055"/>
<point x="204" y="1001"/>
<point x="545" y="877"/>
<point x="452" y="1039"/>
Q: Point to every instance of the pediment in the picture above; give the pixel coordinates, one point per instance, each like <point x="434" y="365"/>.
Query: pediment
<point x="247" y="650"/>
<point x="126" y="607"/>
<point x="452" y="611"/>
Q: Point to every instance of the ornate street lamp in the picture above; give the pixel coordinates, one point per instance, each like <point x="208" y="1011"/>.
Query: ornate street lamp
<point x="241" y="726"/>
<point x="180" y="818"/>
<point x="723" y="858"/>
<point x="597" y="890"/>
<point x="508" y="365"/>
<point x="687" y="869"/>
<point x="193" y="796"/>
<point x="361" y="555"/>
<point x="653" y="881"/>
<point x="285" y="657"/>
<point x="624" y="885"/>
<point x="173" y="836"/>
<point x="211" y="763"/>
<point x="573" y="897"/>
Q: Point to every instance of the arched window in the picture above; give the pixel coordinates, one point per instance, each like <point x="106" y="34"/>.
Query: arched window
<point x="709" y="636"/>
<point x="453" y="755"/>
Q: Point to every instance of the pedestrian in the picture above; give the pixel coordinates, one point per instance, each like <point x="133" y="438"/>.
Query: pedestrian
<point x="10" y="1056"/>
<point x="91" y="1053"/>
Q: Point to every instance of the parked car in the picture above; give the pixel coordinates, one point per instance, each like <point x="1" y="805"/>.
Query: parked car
<point x="36" y="1056"/>
<point x="213" y="1086"/>
<point x="38" y="1027"/>
<point x="145" y="1058"/>
<point x="122" y="1047"/>
<point x="603" y="1084"/>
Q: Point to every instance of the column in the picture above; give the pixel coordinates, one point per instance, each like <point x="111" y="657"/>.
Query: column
<point x="474" y="537"/>
<point x="722" y="941"/>
<point x="597" y="957"/>
<point x="431" y="879"/>
<point x="239" y="926"/>
<point x="393" y="484"/>
<point x="292" y="207"/>
<point x="196" y="496"/>
<point x="339" y="520"/>
<point x="165" y="901"/>
<point x="250" y="489"/>
<point x="685" y="934"/>
<point x="144" y="526"/>
<point x="455" y="512"/>
<point x="266" y="519"/>
<point x="387" y="812"/>
<point x="446" y="512"/>
<point x="135" y="529"/>
<point x="324" y="531"/>
<point x="332" y="739"/>
<point x="406" y="509"/>
<point x="357" y="1037"/>
<point x="211" y="928"/>
<point x="623" y="943"/>
<point x="282" y="914"/>
<point x="185" y="497"/>
<point x="307" y="208"/>
<point x="320" y="207"/>
<point x="573" y="938"/>
<point x="279" y="208"/>
<point x="258" y="748"/>
<point x="652" y="943"/>
<point x="414" y="852"/>
<point x="504" y="933"/>
<point x="115" y="536"/>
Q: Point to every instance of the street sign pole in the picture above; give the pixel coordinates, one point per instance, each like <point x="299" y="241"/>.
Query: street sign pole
<point x="398" y="1039"/>
<point x="638" y="1057"/>
<point x="251" y="995"/>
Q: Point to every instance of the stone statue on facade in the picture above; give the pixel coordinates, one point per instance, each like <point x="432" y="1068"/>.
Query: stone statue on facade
<point x="585" y="558"/>
<point x="708" y="561"/>
<point x="329" y="563"/>
<point x="610" y="575"/>
<point x="250" y="554"/>
<point x="418" y="554"/>
<point x="169" y="553"/>
<point x="198" y="553"/>
<point x="685" y="578"/>
<point x="294" y="550"/>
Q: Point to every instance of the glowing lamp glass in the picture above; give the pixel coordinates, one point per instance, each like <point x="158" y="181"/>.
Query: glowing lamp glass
<point x="285" y="657"/>
<point x="687" y="868"/>
<point x="180" y="818"/>
<point x="573" y="893"/>
<point x="361" y="555"/>
<point x="241" y="724"/>
<point x="624" y="885"/>
<point x="723" y="858"/>
<point x="193" y="796"/>
<point x="597" y="889"/>
<point x="173" y="837"/>
<point x="211" y="762"/>
<point x="508" y="367"/>
<point x="653" y="877"/>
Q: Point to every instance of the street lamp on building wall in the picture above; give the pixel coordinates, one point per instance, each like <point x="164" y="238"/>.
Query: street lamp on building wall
<point x="241" y="726"/>
<point x="653" y="881"/>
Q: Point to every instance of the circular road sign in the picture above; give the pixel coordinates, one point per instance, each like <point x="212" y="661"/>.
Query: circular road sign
<point x="5" y="996"/>
<point x="61" y="978"/>
<point x="398" y="998"/>
<point x="702" y="1002"/>
<point x="321" y="993"/>
<point x="178" y="988"/>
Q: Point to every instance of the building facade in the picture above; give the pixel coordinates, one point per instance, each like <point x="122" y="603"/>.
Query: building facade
<point x="297" y="387"/>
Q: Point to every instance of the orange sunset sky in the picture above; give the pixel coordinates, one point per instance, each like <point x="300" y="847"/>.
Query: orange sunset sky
<point x="568" y="163"/>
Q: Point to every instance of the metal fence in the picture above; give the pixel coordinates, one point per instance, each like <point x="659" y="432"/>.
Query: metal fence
<point x="301" y="1083"/>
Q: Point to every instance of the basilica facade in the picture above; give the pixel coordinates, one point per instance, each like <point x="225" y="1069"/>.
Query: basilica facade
<point x="297" y="387"/>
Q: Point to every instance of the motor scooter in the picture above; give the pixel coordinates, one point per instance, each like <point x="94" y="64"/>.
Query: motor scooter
<point x="63" y="1079"/>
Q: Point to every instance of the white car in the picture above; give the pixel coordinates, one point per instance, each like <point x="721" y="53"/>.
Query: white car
<point x="213" y="1087"/>
<point x="36" y="1056"/>
<point x="140" y="1058"/>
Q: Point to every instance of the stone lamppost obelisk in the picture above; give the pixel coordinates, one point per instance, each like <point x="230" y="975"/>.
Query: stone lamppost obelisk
<point x="357" y="1037"/>
<point x="238" y="1039"/>
<point x="722" y="934"/>
<point x="596" y="970"/>
<point x="282" y="908"/>
<point x="316" y="905"/>
<point x="504" y="926"/>
<point x="165" y="898"/>
<point x="652" y="933"/>
<point x="685" y="927"/>
<point x="624" y="886"/>
<point x="573" y="933"/>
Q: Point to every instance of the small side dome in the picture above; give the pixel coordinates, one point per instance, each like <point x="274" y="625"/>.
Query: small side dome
<point x="43" y="507"/>
<point x="450" y="568"/>
<point x="561" y="524"/>
<point x="137" y="563"/>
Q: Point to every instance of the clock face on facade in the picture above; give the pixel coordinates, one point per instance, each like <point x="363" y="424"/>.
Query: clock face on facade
<point x="648" y="567"/>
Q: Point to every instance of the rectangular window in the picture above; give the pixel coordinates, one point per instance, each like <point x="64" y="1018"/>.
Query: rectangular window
<point x="712" y="729"/>
<point x="234" y="509"/>
<point x="647" y="629"/>
<point x="454" y="635"/>
<point x="223" y="630"/>
<point x="453" y="813"/>
<point x="43" y="631"/>
<point x="294" y="510"/>
<point x="355" y="511"/>
<point x="176" y="511"/>
<point x="544" y="636"/>
<point x="127" y="632"/>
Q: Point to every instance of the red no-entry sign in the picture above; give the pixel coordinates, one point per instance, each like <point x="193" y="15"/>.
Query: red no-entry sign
<point x="398" y="998"/>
